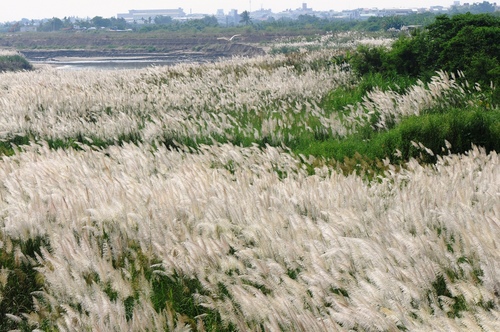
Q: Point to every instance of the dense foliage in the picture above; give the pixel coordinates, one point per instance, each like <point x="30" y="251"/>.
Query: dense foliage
<point x="464" y="42"/>
<point x="305" y="24"/>
<point x="14" y="62"/>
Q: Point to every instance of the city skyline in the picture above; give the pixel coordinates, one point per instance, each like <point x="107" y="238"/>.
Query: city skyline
<point x="33" y="9"/>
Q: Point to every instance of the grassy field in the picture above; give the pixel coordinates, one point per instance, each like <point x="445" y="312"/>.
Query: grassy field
<point x="277" y="193"/>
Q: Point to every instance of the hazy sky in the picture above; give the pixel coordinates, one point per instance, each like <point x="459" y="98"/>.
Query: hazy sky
<point x="11" y="10"/>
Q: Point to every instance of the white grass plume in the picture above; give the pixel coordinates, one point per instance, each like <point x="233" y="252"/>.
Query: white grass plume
<point x="368" y="250"/>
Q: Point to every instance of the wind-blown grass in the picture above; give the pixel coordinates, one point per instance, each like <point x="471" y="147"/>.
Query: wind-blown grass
<point x="415" y="251"/>
<point x="230" y="100"/>
<point x="293" y="100"/>
<point x="207" y="197"/>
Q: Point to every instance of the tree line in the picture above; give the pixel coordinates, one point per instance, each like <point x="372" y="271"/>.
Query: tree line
<point x="464" y="42"/>
<point x="302" y="23"/>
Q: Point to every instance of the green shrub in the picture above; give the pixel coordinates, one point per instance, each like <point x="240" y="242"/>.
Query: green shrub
<point x="465" y="42"/>
<point x="14" y="63"/>
<point x="462" y="128"/>
<point x="369" y="59"/>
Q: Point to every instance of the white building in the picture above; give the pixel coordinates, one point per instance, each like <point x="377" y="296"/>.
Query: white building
<point x="141" y="15"/>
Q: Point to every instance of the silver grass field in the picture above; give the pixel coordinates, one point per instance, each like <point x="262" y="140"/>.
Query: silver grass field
<point x="273" y="247"/>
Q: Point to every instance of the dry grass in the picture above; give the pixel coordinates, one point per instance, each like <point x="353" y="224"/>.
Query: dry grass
<point x="272" y="247"/>
<point x="266" y="98"/>
<point x="8" y="52"/>
<point x="185" y="100"/>
<point x="301" y="253"/>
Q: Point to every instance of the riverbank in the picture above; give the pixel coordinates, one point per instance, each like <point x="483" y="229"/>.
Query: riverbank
<point x="212" y="50"/>
<point x="124" y="58"/>
<point x="108" y="49"/>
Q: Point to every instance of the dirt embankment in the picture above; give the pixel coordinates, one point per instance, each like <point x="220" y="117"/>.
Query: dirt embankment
<point x="211" y="51"/>
<point x="45" y="46"/>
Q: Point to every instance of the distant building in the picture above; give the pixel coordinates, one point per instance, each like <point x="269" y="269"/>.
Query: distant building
<point x="437" y="9"/>
<point x="396" y="12"/>
<point x="221" y="17"/>
<point x="261" y="14"/>
<point x="233" y="18"/>
<point x="145" y="14"/>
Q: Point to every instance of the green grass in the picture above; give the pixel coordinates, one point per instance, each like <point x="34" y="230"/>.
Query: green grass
<point x="22" y="280"/>
<point x="460" y="127"/>
<point x="176" y="292"/>
<point x="441" y="289"/>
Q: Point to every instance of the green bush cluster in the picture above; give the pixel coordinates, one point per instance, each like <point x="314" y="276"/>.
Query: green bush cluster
<point x="14" y="63"/>
<point x="364" y="150"/>
<point x="464" y="42"/>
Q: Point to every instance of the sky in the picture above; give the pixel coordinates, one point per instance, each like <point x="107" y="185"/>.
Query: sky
<point x="37" y="9"/>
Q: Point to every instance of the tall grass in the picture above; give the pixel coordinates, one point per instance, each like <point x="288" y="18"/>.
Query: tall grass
<point x="138" y="239"/>
<point x="212" y="197"/>
<point x="295" y="100"/>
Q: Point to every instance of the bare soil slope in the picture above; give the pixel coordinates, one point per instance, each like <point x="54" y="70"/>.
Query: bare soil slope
<point x="43" y="46"/>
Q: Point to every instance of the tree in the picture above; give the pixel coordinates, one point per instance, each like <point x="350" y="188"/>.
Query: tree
<point x="54" y="24"/>
<point x="475" y="50"/>
<point x="245" y="18"/>
<point x="308" y="19"/>
<point x="163" y="19"/>
<point x="392" y="22"/>
<point x="15" y="27"/>
<point x="484" y="7"/>
<point x="118" y="23"/>
<point x="201" y="24"/>
<point x="100" y="22"/>
<point x="210" y="21"/>
<point x="464" y="42"/>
